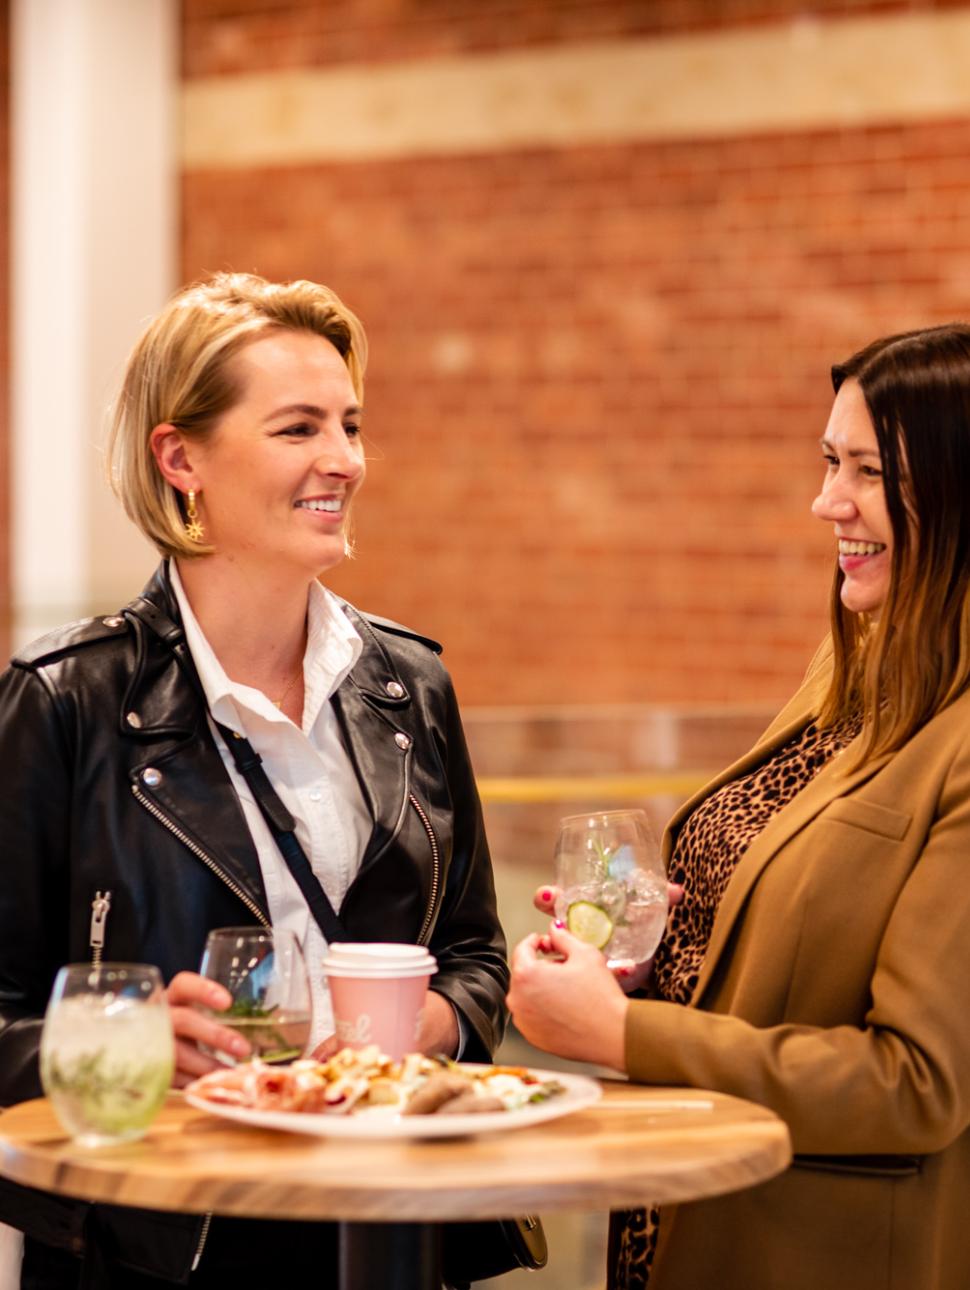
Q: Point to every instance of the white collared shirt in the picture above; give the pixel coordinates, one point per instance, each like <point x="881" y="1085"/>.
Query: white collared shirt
<point x="309" y="768"/>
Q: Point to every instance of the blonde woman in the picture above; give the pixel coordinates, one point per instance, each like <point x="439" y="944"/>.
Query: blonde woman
<point x="819" y="961"/>
<point x="237" y="450"/>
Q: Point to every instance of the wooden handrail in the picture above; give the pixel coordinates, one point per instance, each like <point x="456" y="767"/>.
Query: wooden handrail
<point x="528" y="789"/>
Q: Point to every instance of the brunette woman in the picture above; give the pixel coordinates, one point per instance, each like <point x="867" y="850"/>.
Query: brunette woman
<point x="819" y="961"/>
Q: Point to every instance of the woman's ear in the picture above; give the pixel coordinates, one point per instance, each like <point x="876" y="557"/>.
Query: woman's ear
<point x="172" y="455"/>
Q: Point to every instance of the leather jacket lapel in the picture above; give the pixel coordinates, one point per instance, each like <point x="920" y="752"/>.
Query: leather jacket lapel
<point x="376" y="720"/>
<point x="210" y="823"/>
<point x="181" y="778"/>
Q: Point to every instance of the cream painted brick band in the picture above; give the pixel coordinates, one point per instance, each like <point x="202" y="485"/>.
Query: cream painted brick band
<point x="803" y="75"/>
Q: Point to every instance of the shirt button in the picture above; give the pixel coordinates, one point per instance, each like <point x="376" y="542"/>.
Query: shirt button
<point x="395" y="689"/>
<point x="151" y="777"/>
<point x="113" y="621"/>
<point x="402" y="740"/>
<point x="314" y="795"/>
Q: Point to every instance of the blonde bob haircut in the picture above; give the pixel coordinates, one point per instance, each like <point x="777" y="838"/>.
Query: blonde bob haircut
<point x="181" y="372"/>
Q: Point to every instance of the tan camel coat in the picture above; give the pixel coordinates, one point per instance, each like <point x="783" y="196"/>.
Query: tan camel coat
<point x="836" y="991"/>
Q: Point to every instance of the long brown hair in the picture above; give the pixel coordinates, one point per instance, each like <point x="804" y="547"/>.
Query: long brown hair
<point x="901" y="670"/>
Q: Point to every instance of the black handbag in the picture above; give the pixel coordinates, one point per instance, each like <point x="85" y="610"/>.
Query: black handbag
<point x="477" y="1251"/>
<point x="470" y="1251"/>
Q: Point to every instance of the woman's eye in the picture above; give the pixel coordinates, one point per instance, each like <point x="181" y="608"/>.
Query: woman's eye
<point x="300" y="431"/>
<point x="871" y="472"/>
<point x="352" y="430"/>
<point x="830" y="460"/>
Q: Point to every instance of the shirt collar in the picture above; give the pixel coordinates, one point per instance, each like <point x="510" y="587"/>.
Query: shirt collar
<point x="333" y="648"/>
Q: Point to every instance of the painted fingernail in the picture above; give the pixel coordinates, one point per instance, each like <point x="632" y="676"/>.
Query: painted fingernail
<point x="545" y="895"/>
<point x="559" y="923"/>
<point x="623" y="971"/>
<point x="240" y="1046"/>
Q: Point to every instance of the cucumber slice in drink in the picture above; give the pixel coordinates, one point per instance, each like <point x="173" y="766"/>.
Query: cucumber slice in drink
<point x="590" y="923"/>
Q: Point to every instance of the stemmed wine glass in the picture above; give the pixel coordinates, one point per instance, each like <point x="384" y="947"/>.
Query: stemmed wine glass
<point x="612" y="884"/>
<point x="264" y="970"/>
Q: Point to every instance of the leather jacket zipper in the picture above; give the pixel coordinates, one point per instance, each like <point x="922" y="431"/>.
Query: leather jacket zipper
<point x="234" y="887"/>
<point x="99" y="917"/>
<point x="206" y="1224"/>
<point x="436" y="866"/>
<point x="197" y="851"/>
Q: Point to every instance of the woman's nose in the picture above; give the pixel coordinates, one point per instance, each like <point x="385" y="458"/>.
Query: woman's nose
<point x="340" y="456"/>
<point x="833" y="505"/>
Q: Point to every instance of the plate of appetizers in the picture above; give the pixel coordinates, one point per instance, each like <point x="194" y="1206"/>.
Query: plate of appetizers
<point x="364" y="1094"/>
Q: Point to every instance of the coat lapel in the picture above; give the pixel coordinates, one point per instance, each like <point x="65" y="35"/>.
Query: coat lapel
<point x="792" y="718"/>
<point x="831" y="782"/>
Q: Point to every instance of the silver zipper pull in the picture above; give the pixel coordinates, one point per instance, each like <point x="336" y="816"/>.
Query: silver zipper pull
<point x="99" y="916"/>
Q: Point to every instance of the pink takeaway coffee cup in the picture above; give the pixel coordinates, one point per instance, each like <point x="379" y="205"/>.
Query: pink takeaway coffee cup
<point x="378" y="993"/>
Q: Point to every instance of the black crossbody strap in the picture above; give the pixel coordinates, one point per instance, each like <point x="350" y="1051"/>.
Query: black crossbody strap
<point x="282" y="826"/>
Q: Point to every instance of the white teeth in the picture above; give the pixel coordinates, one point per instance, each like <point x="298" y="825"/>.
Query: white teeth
<point x="321" y="504"/>
<point x="860" y="548"/>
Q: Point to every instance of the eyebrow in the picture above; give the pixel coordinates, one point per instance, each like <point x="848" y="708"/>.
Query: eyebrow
<point x="310" y="410"/>
<point x="853" y="452"/>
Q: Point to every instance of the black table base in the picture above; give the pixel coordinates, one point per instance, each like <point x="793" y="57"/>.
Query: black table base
<point x="394" y="1256"/>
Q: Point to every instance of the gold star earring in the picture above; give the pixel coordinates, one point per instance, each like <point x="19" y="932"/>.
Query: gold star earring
<point x="193" y="525"/>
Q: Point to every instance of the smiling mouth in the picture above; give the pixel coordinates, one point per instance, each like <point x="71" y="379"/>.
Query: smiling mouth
<point x="849" y="547"/>
<point x="332" y="505"/>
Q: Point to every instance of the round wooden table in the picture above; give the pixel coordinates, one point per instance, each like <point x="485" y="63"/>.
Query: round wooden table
<point x="637" y="1145"/>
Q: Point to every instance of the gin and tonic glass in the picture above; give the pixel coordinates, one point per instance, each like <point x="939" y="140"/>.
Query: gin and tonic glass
<point x="612" y="884"/>
<point x="107" y="1052"/>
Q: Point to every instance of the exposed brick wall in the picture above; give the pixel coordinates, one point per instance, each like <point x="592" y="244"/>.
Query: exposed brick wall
<point x="225" y="36"/>
<point x="598" y="379"/>
<point x="4" y="326"/>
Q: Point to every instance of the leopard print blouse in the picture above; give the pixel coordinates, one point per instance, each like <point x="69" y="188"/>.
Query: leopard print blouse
<point x="709" y="846"/>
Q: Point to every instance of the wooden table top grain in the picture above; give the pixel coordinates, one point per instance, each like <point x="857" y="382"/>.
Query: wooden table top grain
<point x="638" y="1144"/>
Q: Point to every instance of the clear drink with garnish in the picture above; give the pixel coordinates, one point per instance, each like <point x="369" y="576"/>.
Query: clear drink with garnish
<point x="264" y="970"/>
<point x="612" y="888"/>
<point x="107" y="1052"/>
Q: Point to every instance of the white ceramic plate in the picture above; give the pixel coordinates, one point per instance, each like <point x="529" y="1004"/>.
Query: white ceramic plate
<point x="578" y="1093"/>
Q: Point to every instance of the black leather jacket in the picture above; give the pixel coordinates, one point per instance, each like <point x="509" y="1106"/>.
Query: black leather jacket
<point x="110" y="781"/>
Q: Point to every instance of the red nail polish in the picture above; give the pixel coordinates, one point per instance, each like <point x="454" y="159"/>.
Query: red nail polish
<point x="559" y="923"/>
<point x="545" y="895"/>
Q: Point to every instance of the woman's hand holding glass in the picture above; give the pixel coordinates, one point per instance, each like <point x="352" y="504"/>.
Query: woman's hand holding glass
<point x="565" y="999"/>
<point x="264" y="973"/>
<point x="253" y="977"/>
<point x="187" y="993"/>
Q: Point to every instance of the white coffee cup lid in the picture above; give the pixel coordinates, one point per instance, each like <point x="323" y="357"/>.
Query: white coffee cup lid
<point x="366" y="958"/>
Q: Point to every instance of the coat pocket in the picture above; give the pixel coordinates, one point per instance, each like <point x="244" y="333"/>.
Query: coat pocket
<point x="864" y="1166"/>
<point x="871" y="816"/>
